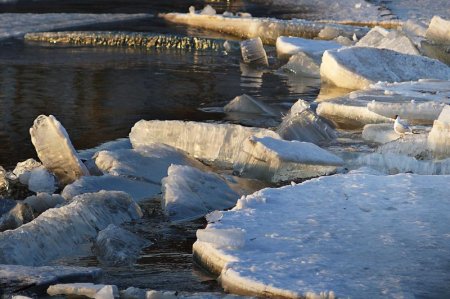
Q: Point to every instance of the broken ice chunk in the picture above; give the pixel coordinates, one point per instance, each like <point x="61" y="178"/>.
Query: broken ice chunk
<point x="23" y="169"/>
<point x="358" y="67"/>
<point x="90" y="290"/>
<point x="382" y="38"/>
<point x="253" y="52"/>
<point x="439" y="137"/>
<point x="43" y="201"/>
<point x="246" y="104"/>
<point x="116" y="246"/>
<point x="189" y="193"/>
<point x="138" y="190"/>
<point x="68" y="230"/>
<point x="55" y="150"/>
<point x="287" y="46"/>
<point x="302" y="124"/>
<point x="381" y="133"/>
<point x="439" y="30"/>
<point x="275" y="160"/>
<point x="40" y="180"/>
<point x="17" y="216"/>
<point x="215" y="143"/>
<point x="302" y="64"/>
<point x="208" y="11"/>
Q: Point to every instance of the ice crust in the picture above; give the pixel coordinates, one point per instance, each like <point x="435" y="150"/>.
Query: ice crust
<point x="55" y="150"/>
<point x="268" y="29"/>
<point x="439" y="137"/>
<point x="216" y="143"/>
<point x="358" y="67"/>
<point x="288" y="45"/>
<point x="16" y="277"/>
<point x="394" y="40"/>
<point x="247" y="104"/>
<point x="276" y="160"/>
<point x="189" y="193"/>
<point x="90" y="290"/>
<point x="65" y="231"/>
<point x="439" y="30"/>
<point x="337" y="236"/>
<point x="302" y="124"/>
<point x="116" y="246"/>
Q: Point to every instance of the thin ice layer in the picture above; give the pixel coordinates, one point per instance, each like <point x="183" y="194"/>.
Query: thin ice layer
<point x="55" y="150"/>
<point x="358" y="67"/>
<point x="276" y="160"/>
<point x="336" y="235"/>
<point x="217" y="143"/>
<point x="189" y="193"/>
<point x="66" y="231"/>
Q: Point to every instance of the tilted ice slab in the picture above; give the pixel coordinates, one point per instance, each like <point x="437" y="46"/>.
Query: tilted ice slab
<point x="138" y="190"/>
<point x="55" y="150"/>
<point x="302" y="124"/>
<point x="301" y="64"/>
<point x="16" y="277"/>
<point x="189" y="193"/>
<point x="288" y="45"/>
<point x="268" y="29"/>
<point x="354" y="235"/>
<point x="17" y="24"/>
<point x="439" y="137"/>
<point x="439" y="30"/>
<point x="358" y="67"/>
<point x="276" y="160"/>
<point x="394" y="40"/>
<point x="246" y="104"/>
<point x="65" y="231"/>
<point x="217" y="143"/>
<point x="381" y="133"/>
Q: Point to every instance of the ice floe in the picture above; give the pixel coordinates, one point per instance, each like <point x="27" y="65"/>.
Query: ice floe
<point x="220" y="144"/>
<point x="65" y="231"/>
<point x="276" y="160"/>
<point x="335" y="236"/>
<point x="394" y="40"/>
<point x="55" y="150"/>
<point x="358" y="67"/>
<point x="16" y="277"/>
<point x="116" y="246"/>
<point x="90" y="290"/>
<point x="288" y="45"/>
<point x="439" y="137"/>
<point x="302" y="124"/>
<point x="247" y="104"/>
<point x="189" y="193"/>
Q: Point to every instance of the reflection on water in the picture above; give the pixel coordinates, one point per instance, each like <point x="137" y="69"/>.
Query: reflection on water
<point x="99" y="93"/>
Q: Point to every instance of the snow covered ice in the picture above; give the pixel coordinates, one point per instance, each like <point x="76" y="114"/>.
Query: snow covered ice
<point x="302" y="124"/>
<point x="394" y="40"/>
<point x="116" y="246"/>
<point x="288" y="45"/>
<point x="90" y="290"/>
<point x="216" y="143"/>
<point x="358" y="67"/>
<point x="55" y="150"/>
<point x="276" y="160"/>
<point x="189" y="193"/>
<point x="346" y="242"/>
<point x="62" y="232"/>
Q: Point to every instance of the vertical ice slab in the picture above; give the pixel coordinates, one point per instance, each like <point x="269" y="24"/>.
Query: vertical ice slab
<point x="276" y="160"/>
<point x="358" y="67"/>
<point x="217" y="143"/>
<point x="439" y="137"/>
<point x="66" y="231"/>
<point x="55" y="150"/>
<point x="253" y="52"/>
<point x="189" y="193"/>
<point x="439" y="30"/>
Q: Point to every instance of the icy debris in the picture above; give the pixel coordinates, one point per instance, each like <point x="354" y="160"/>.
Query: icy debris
<point x="302" y="124"/>
<point x="414" y="28"/>
<point x="40" y="180"/>
<point x="208" y="11"/>
<point x="344" y="41"/>
<point x="90" y="290"/>
<point x="116" y="246"/>
<point x="217" y="143"/>
<point x="436" y="51"/>
<point x="17" y="216"/>
<point x="189" y="193"/>
<point x="66" y="231"/>
<point x="23" y="169"/>
<point x="394" y="40"/>
<point x="246" y="104"/>
<point x="381" y="133"/>
<point x="16" y="277"/>
<point x="4" y="183"/>
<point x="439" y="30"/>
<point x="302" y="64"/>
<point x="138" y="190"/>
<point x="301" y="239"/>
<point x="20" y="297"/>
<point x="132" y="292"/>
<point x="148" y="163"/>
<point x="153" y="294"/>
<point x="253" y="52"/>
<point x="268" y="29"/>
<point x="55" y="150"/>
<point x="329" y="33"/>
<point x="439" y="137"/>
<point x="287" y="46"/>
<point x="41" y="202"/>
<point x="358" y="67"/>
<point x="276" y="160"/>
